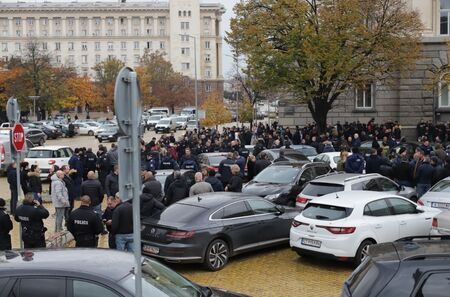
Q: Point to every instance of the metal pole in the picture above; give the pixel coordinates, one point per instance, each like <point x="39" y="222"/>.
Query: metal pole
<point x="18" y="194"/>
<point x="196" y="88"/>
<point x="136" y="188"/>
<point x="34" y="108"/>
<point x="237" y="93"/>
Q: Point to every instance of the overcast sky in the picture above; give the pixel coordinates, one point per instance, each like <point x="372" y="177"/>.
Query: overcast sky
<point x="227" y="61"/>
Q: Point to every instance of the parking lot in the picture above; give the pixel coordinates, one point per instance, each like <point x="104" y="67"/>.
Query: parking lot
<point x="270" y="272"/>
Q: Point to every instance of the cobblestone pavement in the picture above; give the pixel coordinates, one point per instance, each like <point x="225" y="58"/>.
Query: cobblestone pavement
<point x="277" y="272"/>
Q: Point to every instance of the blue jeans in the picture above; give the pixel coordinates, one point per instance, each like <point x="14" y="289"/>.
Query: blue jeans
<point x="98" y="210"/>
<point x="61" y="213"/>
<point x="124" y="242"/>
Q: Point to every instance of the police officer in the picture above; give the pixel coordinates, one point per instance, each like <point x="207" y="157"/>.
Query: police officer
<point x="30" y="214"/>
<point x="168" y="162"/>
<point x="90" y="161"/>
<point x="103" y="165"/>
<point x="85" y="224"/>
<point x="5" y="227"/>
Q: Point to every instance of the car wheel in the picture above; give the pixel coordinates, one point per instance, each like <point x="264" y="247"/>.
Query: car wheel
<point x="361" y="253"/>
<point x="41" y="141"/>
<point x="91" y="133"/>
<point x="217" y="255"/>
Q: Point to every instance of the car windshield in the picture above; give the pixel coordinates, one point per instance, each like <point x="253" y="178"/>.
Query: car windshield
<point x="192" y="123"/>
<point x="154" y="118"/>
<point x="215" y="160"/>
<point x="160" y="281"/>
<point x="277" y="175"/>
<point x="164" y="122"/>
<point x="442" y="186"/>
<point x="325" y="212"/>
<point x="181" y="213"/>
<point x="320" y="189"/>
<point x="40" y="154"/>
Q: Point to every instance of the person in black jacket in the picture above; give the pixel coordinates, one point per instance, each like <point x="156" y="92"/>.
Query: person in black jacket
<point x="103" y="165"/>
<point x="122" y="226"/>
<point x="373" y="162"/>
<point x="5" y="227"/>
<point x="177" y="190"/>
<point x="216" y="184"/>
<point x="112" y="182"/>
<point x="12" y="181"/>
<point x="93" y="189"/>
<point x="84" y="224"/>
<point x="30" y="214"/>
<point x="224" y="168"/>
<point x="153" y="186"/>
<point x="69" y="185"/>
<point x="24" y="181"/>
<point x="235" y="184"/>
<point x="262" y="163"/>
<point x="90" y="162"/>
<point x="111" y="204"/>
<point x="35" y="183"/>
<point x="149" y="205"/>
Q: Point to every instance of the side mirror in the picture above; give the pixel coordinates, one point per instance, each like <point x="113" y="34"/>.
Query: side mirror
<point x="281" y="209"/>
<point x="420" y="209"/>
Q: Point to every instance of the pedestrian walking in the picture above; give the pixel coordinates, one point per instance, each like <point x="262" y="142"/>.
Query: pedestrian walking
<point x="122" y="226"/>
<point x="5" y="227"/>
<point x="200" y="186"/>
<point x="31" y="215"/>
<point x="60" y="199"/>
<point x="84" y="224"/>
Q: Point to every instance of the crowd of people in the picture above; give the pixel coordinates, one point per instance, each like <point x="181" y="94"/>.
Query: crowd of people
<point x="91" y="177"/>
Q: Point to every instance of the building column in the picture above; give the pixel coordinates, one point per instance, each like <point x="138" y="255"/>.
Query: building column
<point x="116" y="26"/>
<point x="155" y="27"/>
<point x="89" y="33"/>
<point x="37" y="27"/>
<point x="102" y="26"/>
<point x="24" y="29"/>
<point x="63" y="26"/>
<point x="77" y="26"/>
<point x="10" y="27"/>
<point x="142" y="20"/>
<point x="50" y="27"/>
<point x="129" y="30"/>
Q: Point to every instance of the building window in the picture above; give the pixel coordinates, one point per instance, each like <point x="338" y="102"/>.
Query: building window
<point x="123" y="45"/>
<point x="44" y="21"/>
<point x="70" y="21"/>
<point x="162" y="21"/>
<point x="71" y="59"/>
<point x="97" y="32"/>
<point x="58" y="59"/>
<point x="162" y="45"/>
<point x="179" y="13"/>
<point x="136" y="32"/>
<point x="18" y="46"/>
<point x="97" y="21"/>
<point x="84" y="59"/>
<point x="124" y="58"/>
<point x="162" y="32"/>
<point x="97" y="58"/>
<point x="18" y="21"/>
<point x="184" y="13"/>
<point x="4" y="47"/>
<point x="149" y="21"/>
<point x="111" y="57"/>
<point x="58" y="33"/>
<point x="185" y="51"/>
<point x="30" y="21"/>
<point x="110" y="21"/>
<point x="57" y="21"/>
<point x="208" y="58"/>
<point x="110" y="45"/>
<point x="364" y="97"/>
<point x="109" y="32"/>
<point x="444" y="98"/>
<point x="189" y="13"/>
<point x="208" y="72"/>
<point x="122" y="21"/>
<point x="83" y="32"/>
<point x="149" y="44"/>
<point x="97" y="46"/>
<point x="71" y="46"/>
<point x="44" y="33"/>
<point x="136" y="45"/>
<point x="184" y="25"/>
<point x="123" y="32"/>
<point x="185" y="38"/>
<point x="70" y="33"/>
<point x="137" y="59"/>
<point x="208" y="88"/>
<point x="206" y="21"/>
<point x="149" y="32"/>
<point x="57" y="46"/>
<point x="44" y="45"/>
<point x="136" y="21"/>
<point x="84" y="46"/>
<point x="445" y="11"/>
<point x="18" y="33"/>
<point x="207" y="44"/>
<point x="185" y="66"/>
<point x="5" y="33"/>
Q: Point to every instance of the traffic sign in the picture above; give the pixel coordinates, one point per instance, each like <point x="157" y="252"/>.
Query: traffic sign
<point x="18" y="137"/>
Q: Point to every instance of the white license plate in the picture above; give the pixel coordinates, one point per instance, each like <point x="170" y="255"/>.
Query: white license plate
<point x="151" y="249"/>
<point x="440" y="205"/>
<point x="311" y="242"/>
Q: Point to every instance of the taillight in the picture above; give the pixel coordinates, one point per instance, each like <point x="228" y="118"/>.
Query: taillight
<point x="51" y="162"/>
<point x="2" y="153"/>
<point x="339" y="230"/>
<point x="296" y="223"/>
<point x="180" y="234"/>
<point x="302" y="200"/>
<point x="420" y="202"/>
<point x="435" y="223"/>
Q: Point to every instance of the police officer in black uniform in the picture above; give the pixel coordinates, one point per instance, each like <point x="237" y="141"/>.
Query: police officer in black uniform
<point x="5" y="227"/>
<point x="90" y="161"/>
<point x="168" y="162"/>
<point x="84" y="224"/>
<point x="30" y="214"/>
<point x="103" y="165"/>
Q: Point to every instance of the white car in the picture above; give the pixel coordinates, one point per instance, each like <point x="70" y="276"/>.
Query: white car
<point x="191" y="125"/>
<point x="438" y="196"/>
<point x="87" y="128"/>
<point x="343" y="224"/>
<point x="166" y="125"/>
<point x="45" y="156"/>
<point x="182" y="122"/>
<point x="331" y="158"/>
<point x="153" y="120"/>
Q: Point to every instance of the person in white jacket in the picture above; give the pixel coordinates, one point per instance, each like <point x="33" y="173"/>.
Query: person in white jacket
<point x="60" y="199"/>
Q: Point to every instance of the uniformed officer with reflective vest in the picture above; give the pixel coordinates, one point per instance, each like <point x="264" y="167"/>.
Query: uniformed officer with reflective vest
<point x="31" y="214"/>
<point x="84" y="224"/>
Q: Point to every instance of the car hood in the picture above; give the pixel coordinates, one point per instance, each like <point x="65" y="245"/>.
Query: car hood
<point x="264" y="189"/>
<point x="224" y="293"/>
<point x="436" y="197"/>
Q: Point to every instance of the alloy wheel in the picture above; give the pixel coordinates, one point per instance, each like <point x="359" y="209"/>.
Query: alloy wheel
<point x="218" y="255"/>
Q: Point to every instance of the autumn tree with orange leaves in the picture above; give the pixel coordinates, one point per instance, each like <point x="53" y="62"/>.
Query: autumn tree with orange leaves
<point x="216" y="112"/>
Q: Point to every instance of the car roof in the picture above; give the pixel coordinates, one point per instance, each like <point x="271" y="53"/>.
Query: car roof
<point x="214" y="154"/>
<point x="416" y="248"/>
<point x="49" y="147"/>
<point x="341" y="178"/>
<point x="215" y="199"/>
<point x="94" y="261"/>
<point x="288" y="164"/>
<point x="352" y="198"/>
<point x="331" y="154"/>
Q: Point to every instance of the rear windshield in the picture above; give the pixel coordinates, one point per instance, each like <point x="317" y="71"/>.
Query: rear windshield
<point x="359" y="283"/>
<point x="442" y="186"/>
<point x="215" y="160"/>
<point x="320" y="189"/>
<point x="325" y="212"/>
<point x="181" y="213"/>
<point x="40" y="154"/>
<point x="308" y="151"/>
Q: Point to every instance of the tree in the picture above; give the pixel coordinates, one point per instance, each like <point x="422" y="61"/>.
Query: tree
<point x="246" y="109"/>
<point x="81" y="92"/>
<point x="316" y="50"/>
<point x="105" y="80"/>
<point x="216" y="112"/>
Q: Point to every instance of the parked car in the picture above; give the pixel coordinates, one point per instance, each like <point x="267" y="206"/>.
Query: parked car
<point x="212" y="227"/>
<point x="441" y="223"/>
<point x="153" y="120"/>
<point x="36" y="136"/>
<point x="336" y="182"/>
<point x="331" y="158"/>
<point x="45" y="156"/>
<point x="166" y="125"/>
<point x="59" y="273"/>
<point x="87" y="128"/>
<point x="438" y="196"/>
<point x="51" y="131"/>
<point x="192" y="125"/>
<point x="158" y="110"/>
<point x="182" y="122"/>
<point x="211" y="160"/>
<point x="188" y="111"/>
<point x="309" y="151"/>
<point x="413" y="267"/>
<point x="110" y="134"/>
<point x="290" y="154"/>
<point x="342" y="225"/>
<point x="280" y="180"/>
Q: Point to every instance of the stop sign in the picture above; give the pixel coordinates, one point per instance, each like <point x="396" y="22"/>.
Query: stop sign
<point x="18" y="137"/>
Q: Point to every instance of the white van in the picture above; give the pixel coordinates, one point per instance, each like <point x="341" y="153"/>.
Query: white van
<point x="188" y="111"/>
<point x="159" y="110"/>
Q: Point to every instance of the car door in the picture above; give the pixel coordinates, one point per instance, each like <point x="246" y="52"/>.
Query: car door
<point x="273" y="224"/>
<point x="411" y="221"/>
<point x="240" y="224"/>
<point x="381" y="220"/>
<point x="39" y="287"/>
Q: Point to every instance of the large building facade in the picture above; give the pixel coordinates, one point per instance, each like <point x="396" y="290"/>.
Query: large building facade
<point x="82" y="34"/>
<point x="412" y="97"/>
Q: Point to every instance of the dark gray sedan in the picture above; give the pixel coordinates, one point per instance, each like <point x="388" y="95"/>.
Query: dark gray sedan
<point x="210" y="228"/>
<point x="36" y="136"/>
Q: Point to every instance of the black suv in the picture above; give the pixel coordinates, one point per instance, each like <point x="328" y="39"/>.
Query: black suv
<point x="281" y="182"/>
<point x="410" y="267"/>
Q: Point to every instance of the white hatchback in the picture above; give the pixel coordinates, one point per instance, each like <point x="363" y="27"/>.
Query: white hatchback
<point x="46" y="156"/>
<point x="342" y="225"/>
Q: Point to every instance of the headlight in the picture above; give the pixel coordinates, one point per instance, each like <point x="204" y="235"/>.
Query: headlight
<point x="272" y="197"/>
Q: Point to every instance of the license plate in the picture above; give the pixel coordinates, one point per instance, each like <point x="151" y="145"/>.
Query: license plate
<point x="311" y="242"/>
<point x="440" y="205"/>
<point x="151" y="249"/>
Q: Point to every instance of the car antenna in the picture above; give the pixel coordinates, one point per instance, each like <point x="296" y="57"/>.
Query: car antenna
<point x="337" y="197"/>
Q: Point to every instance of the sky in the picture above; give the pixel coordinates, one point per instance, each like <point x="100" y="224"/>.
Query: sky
<point x="227" y="61"/>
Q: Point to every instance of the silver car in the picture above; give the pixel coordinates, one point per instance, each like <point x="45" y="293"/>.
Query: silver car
<point x="438" y="196"/>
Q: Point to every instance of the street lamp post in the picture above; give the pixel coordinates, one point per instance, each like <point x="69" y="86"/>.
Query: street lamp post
<point x="34" y="104"/>
<point x="195" y="74"/>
